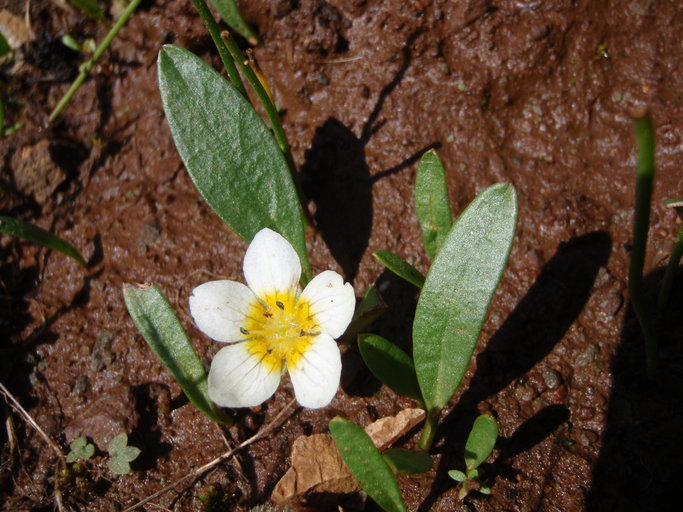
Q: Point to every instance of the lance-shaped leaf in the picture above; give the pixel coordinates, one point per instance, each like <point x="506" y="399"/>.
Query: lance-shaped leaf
<point x="233" y="17"/>
<point x="229" y="152"/>
<point x="458" y="290"/>
<point x="32" y="233"/>
<point x="481" y="441"/>
<point x="370" y="309"/>
<point x="157" y="322"/>
<point x="390" y="364"/>
<point x="367" y="464"/>
<point x="431" y="202"/>
<point x="400" y="267"/>
<point x="408" y="462"/>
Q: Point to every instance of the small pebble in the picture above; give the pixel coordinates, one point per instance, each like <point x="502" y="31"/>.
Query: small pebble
<point x="551" y="378"/>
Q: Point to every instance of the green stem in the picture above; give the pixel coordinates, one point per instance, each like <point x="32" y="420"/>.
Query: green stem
<point x="228" y="63"/>
<point x="671" y="269"/>
<point x="272" y="114"/>
<point x="644" y="178"/>
<point x="87" y="66"/>
<point x="429" y="430"/>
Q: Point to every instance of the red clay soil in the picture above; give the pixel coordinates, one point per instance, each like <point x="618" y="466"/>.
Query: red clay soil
<point x="537" y="94"/>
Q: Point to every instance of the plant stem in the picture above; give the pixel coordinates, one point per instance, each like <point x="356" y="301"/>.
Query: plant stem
<point x="226" y="58"/>
<point x="429" y="430"/>
<point x="671" y="268"/>
<point x="87" y="66"/>
<point x="641" y="222"/>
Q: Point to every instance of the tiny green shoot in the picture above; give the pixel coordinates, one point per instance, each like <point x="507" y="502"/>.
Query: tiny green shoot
<point x="80" y="449"/>
<point x="121" y="454"/>
<point x="676" y="253"/>
<point x="480" y="444"/>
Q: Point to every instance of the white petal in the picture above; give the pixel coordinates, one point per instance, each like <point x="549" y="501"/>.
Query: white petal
<point x="240" y="379"/>
<point x="219" y="309"/>
<point x="271" y="264"/>
<point x="331" y="301"/>
<point x="316" y="376"/>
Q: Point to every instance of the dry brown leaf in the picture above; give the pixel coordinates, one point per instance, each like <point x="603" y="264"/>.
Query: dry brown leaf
<point x="14" y="29"/>
<point x="318" y="476"/>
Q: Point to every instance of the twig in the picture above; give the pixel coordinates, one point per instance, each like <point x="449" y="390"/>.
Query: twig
<point x="17" y="406"/>
<point x="225" y="456"/>
<point x="90" y="63"/>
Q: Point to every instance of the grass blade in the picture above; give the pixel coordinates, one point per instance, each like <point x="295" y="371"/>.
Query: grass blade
<point x="229" y="152"/>
<point x="431" y="202"/>
<point x="157" y="322"/>
<point x="400" y="267"/>
<point x="33" y="233"/>
<point x="458" y="290"/>
<point x="367" y="464"/>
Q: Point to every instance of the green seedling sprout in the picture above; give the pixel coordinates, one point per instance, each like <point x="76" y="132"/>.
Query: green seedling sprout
<point x="676" y="253"/>
<point x="645" y="168"/>
<point x="480" y="444"/>
<point x="121" y="454"/>
<point x="80" y="449"/>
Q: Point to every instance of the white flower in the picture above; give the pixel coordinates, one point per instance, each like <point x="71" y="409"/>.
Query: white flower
<point x="272" y="326"/>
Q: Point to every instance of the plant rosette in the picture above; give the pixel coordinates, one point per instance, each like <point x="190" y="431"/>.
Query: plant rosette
<point x="271" y="326"/>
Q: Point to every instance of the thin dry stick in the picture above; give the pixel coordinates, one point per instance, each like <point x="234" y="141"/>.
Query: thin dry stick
<point x="17" y="407"/>
<point x="199" y="471"/>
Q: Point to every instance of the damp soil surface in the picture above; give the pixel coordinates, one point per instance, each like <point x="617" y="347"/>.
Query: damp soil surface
<point x="539" y="94"/>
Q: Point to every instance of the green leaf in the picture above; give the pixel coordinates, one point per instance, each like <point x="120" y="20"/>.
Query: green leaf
<point x="400" y="267"/>
<point x="32" y="233"/>
<point x="80" y="449"/>
<point x="229" y="152"/>
<point x="119" y="466"/>
<point x="121" y="454"/>
<point x="408" y="462"/>
<point x="5" y="48"/>
<point x="90" y="7"/>
<point x="390" y="364"/>
<point x="458" y="290"/>
<point x="157" y="322"/>
<point x="231" y="15"/>
<point x="370" y="308"/>
<point x="480" y="442"/>
<point x="456" y="475"/>
<point x="431" y="202"/>
<point x="367" y="464"/>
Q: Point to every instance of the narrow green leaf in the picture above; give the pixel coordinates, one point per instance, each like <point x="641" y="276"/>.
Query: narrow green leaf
<point x="370" y="308"/>
<point x="481" y="441"/>
<point x="400" y="267"/>
<point x="228" y="151"/>
<point x="456" y="475"/>
<point x="408" y="462"/>
<point x="458" y="290"/>
<point x="390" y="364"/>
<point x="233" y="17"/>
<point x="367" y="464"/>
<point x="431" y="202"/>
<point x="5" y="48"/>
<point x="33" y="233"/>
<point x="90" y="7"/>
<point x="157" y="322"/>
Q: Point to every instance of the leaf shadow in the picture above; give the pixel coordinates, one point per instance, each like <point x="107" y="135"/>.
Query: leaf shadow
<point x="336" y="177"/>
<point x="538" y="322"/>
<point x="640" y="462"/>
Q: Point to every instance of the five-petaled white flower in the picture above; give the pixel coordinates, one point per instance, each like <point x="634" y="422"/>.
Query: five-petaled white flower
<point x="272" y="326"/>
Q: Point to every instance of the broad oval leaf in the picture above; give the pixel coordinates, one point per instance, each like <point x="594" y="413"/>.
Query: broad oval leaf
<point x="408" y="462"/>
<point x="390" y="364"/>
<point x="431" y="202"/>
<point x="367" y="464"/>
<point x="458" y="290"/>
<point x="400" y="267"/>
<point x="157" y="322"/>
<point x="33" y="233"/>
<point x="481" y="441"/>
<point x="229" y="152"/>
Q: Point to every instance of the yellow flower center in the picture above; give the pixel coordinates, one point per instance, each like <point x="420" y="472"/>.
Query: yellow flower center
<point x="279" y="330"/>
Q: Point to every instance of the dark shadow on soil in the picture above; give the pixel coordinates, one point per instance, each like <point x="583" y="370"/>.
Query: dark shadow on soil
<point x="336" y="177"/>
<point x="640" y="465"/>
<point x="535" y="326"/>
